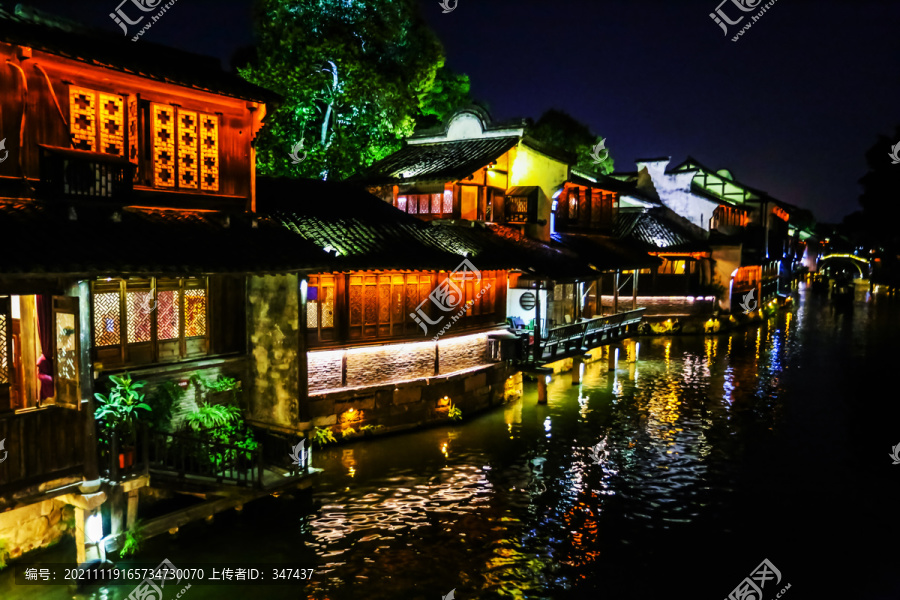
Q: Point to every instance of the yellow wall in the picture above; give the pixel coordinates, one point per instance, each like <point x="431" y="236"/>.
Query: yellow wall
<point x="530" y="167"/>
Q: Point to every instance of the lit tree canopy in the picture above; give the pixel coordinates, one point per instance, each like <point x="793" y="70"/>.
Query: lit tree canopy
<point x="560" y="129"/>
<point x="356" y="77"/>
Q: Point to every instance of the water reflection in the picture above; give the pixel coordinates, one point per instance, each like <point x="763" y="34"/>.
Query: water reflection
<point x="512" y="504"/>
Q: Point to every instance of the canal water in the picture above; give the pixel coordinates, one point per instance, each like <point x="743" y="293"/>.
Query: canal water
<point x="720" y="452"/>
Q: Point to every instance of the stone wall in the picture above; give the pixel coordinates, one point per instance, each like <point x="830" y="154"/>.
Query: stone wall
<point x="273" y="328"/>
<point x="407" y="404"/>
<point x="35" y="526"/>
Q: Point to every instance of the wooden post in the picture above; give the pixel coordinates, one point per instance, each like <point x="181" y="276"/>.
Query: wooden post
<point x="612" y="357"/>
<point x="537" y="327"/>
<point x="577" y="369"/>
<point x="302" y="366"/>
<point x="131" y="512"/>
<point x="616" y="293"/>
<point x="542" y="389"/>
<point x="634" y="290"/>
<point x="630" y="350"/>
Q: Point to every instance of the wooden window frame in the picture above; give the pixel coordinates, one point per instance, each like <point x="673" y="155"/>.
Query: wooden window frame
<point x="155" y="350"/>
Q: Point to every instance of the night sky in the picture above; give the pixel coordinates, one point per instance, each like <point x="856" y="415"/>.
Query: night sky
<point x="790" y="108"/>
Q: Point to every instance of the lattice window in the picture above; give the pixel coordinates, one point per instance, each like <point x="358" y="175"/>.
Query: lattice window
<point x="401" y="203"/>
<point x="106" y="319"/>
<point x="424" y="202"/>
<point x="82" y="116"/>
<point x="448" y="202"/>
<point x="194" y="313"/>
<point x="209" y="153"/>
<point x="328" y="305"/>
<point x="97" y="121"/>
<point x="133" y="125"/>
<point x="397" y="297"/>
<point x="168" y="315"/>
<point x="4" y="358"/>
<point x="140" y="307"/>
<point x="112" y="124"/>
<point x="384" y="300"/>
<point x="412" y="205"/>
<point x="163" y="146"/>
<point x="356" y="293"/>
<point x="65" y="346"/>
<point x="187" y="149"/>
<point x="371" y="301"/>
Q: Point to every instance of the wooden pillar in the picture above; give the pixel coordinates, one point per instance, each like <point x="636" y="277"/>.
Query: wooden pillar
<point x="542" y="389"/>
<point x="131" y="514"/>
<point x="616" y="293"/>
<point x="537" y="327"/>
<point x="303" y="364"/>
<point x="86" y="381"/>
<point x="612" y="357"/>
<point x="630" y="347"/>
<point x="577" y="369"/>
<point x="88" y="533"/>
<point x="634" y="290"/>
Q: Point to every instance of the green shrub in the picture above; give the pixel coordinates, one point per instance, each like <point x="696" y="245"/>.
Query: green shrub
<point x="322" y="436"/>
<point x="134" y="538"/>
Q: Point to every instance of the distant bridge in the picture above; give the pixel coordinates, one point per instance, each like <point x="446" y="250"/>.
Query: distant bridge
<point x="852" y="259"/>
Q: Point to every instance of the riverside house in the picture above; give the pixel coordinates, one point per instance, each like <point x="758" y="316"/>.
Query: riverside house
<point x="126" y="211"/>
<point x="473" y="174"/>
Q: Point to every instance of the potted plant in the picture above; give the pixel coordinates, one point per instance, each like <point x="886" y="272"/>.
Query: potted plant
<point x="120" y="412"/>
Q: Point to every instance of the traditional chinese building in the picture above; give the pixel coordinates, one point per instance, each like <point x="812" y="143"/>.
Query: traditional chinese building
<point x="126" y="205"/>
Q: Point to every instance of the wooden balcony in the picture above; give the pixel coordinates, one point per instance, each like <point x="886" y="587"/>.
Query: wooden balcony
<point x="76" y="174"/>
<point x="41" y="445"/>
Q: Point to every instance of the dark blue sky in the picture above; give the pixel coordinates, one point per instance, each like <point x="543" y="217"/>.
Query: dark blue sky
<point x="791" y="108"/>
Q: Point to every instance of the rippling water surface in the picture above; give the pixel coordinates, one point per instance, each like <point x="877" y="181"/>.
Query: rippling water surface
<point x="721" y="451"/>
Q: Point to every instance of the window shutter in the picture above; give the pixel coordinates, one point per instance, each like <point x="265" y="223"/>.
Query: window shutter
<point x="66" y="346"/>
<point x="5" y="354"/>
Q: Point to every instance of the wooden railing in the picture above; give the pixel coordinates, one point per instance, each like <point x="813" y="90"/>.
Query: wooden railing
<point x="69" y="173"/>
<point x="565" y="340"/>
<point x="40" y="445"/>
<point x="187" y="454"/>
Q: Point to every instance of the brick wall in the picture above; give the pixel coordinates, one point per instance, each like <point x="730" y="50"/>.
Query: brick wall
<point x="35" y="526"/>
<point x="397" y="362"/>
<point x="378" y="365"/>
<point x="324" y="369"/>
<point x="463" y="353"/>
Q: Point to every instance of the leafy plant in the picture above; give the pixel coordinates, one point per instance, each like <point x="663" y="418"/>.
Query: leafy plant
<point x="322" y="436"/>
<point x="221" y="384"/>
<point x="370" y="428"/>
<point x="211" y="416"/>
<point x="123" y="407"/>
<point x="163" y="399"/>
<point x="3" y="553"/>
<point x="349" y="431"/>
<point x="455" y="413"/>
<point x="134" y="538"/>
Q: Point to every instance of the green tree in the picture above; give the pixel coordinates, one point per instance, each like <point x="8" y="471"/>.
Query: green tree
<point x="356" y="77"/>
<point x="558" y="128"/>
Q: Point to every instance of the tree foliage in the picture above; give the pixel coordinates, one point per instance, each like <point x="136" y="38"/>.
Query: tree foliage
<point x="559" y="129"/>
<point x="356" y="77"/>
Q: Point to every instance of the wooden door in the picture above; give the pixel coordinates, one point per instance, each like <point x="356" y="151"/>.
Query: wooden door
<point x="66" y="336"/>
<point x="5" y="354"/>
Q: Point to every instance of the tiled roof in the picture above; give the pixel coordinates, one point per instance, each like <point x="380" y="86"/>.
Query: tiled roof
<point x="366" y="232"/>
<point x="653" y="231"/>
<point x="492" y="246"/>
<point x="104" y="49"/>
<point x="438" y="162"/>
<point x="45" y="239"/>
<point x="605" y="253"/>
<point x="370" y="234"/>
